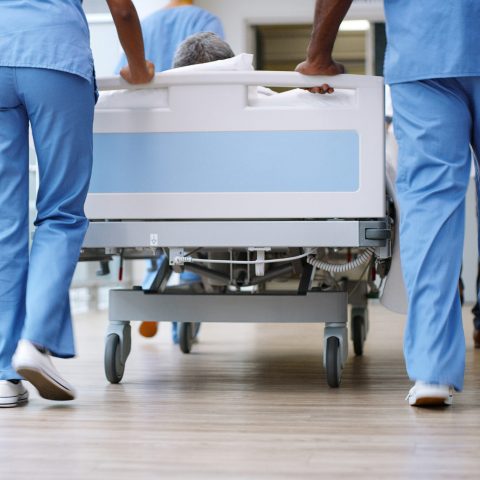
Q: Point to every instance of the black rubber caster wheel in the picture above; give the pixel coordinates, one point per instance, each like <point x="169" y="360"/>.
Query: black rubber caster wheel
<point x="196" y="330"/>
<point x="114" y="367"/>
<point x="186" y="336"/>
<point x="333" y="362"/>
<point x="358" y="334"/>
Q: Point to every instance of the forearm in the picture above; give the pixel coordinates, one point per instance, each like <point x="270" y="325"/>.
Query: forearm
<point x="129" y="31"/>
<point x="329" y="14"/>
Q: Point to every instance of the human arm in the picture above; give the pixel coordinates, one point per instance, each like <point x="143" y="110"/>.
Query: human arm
<point x="129" y="31"/>
<point x="329" y="14"/>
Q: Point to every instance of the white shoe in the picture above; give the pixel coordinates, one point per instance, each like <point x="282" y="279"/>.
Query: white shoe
<point x="12" y="394"/>
<point x="428" y="394"/>
<point x="38" y="369"/>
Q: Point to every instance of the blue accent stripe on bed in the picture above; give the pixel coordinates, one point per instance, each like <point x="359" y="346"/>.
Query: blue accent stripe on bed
<point x="257" y="161"/>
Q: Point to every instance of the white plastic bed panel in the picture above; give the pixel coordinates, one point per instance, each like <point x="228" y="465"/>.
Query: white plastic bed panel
<point x="212" y="148"/>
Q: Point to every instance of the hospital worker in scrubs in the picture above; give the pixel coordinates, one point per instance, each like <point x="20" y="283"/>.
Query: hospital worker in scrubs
<point x="163" y="32"/>
<point x="433" y="68"/>
<point x="47" y="81"/>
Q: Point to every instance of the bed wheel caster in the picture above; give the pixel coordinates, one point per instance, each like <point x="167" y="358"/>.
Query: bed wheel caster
<point x="185" y="336"/>
<point x="335" y="352"/>
<point x="117" y="349"/>
<point x="113" y="366"/>
<point x="333" y="358"/>
<point x="359" y="328"/>
<point x="358" y="334"/>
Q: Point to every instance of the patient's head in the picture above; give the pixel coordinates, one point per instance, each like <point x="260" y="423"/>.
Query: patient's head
<point x="202" y="48"/>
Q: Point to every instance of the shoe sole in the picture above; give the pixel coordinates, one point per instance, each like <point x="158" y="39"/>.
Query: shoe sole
<point x="47" y="387"/>
<point x="431" y="402"/>
<point x="18" y="403"/>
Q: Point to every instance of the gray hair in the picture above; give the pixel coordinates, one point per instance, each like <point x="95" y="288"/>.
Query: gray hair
<point x="202" y="48"/>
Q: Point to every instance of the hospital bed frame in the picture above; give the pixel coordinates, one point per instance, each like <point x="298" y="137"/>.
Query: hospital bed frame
<point x="250" y="226"/>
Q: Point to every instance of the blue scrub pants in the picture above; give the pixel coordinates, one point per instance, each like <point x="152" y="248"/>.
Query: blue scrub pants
<point x="34" y="301"/>
<point x="437" y="122"/>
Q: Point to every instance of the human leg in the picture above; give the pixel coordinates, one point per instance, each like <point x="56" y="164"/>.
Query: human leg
<point x="432" y="124"/>
<point x="13" y="220"/>
<point x="60" y="108"/>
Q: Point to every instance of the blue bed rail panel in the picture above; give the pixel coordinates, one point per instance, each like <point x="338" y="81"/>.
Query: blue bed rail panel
<point x="254" y="161"/>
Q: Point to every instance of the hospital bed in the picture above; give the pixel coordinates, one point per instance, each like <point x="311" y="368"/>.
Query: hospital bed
<point x="280" y="207"/>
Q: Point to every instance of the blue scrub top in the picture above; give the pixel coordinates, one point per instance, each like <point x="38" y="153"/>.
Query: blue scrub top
<point x="432" y="39"/>
<point x="51" y="34"/>
<point x="165" y="30"/>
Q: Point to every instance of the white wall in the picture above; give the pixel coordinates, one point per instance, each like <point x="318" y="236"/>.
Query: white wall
<point x="105" y="45"/>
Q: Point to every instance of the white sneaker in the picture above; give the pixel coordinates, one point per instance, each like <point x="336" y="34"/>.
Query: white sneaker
<point x="38" y="369"/>
<point x="428" y="394"/>
<point x="12" y="394"/>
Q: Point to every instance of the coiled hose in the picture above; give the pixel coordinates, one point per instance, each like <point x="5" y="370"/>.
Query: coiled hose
<point x="363" y="258"/>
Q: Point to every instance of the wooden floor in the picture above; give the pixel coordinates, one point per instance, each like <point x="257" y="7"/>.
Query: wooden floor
<point x="251" y="402"/>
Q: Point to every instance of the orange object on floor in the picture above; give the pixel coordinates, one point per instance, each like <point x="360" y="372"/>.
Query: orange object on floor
<point x="148" y="329"/>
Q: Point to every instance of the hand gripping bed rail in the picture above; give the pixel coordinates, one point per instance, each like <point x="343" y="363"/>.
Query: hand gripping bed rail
<point x="253" y="78"/>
